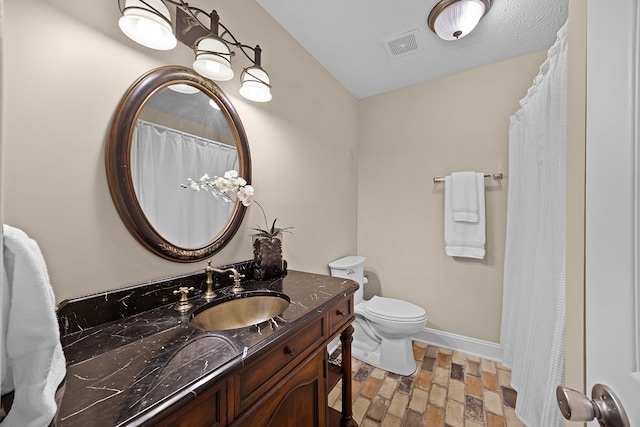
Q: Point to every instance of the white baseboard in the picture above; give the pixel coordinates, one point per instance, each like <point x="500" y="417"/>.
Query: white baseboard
<point x="473" y="346"/>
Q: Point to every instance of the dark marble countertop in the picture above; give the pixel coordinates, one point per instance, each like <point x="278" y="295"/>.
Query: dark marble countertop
<point x="133" y="370"/>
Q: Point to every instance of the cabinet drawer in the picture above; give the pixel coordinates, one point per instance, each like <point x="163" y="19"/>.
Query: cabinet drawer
<point x="266" y="371"/>
<point x="339" y="314"/>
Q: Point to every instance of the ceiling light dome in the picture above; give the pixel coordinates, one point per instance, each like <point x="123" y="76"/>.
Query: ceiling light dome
<point x="454" y="19"/>
<point x="148" y="23"/>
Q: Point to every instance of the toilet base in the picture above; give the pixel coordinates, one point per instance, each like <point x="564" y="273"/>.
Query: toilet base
<point x="391" y="355"/>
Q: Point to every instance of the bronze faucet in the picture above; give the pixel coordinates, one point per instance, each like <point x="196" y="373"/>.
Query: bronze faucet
<point x="210" y="294"/>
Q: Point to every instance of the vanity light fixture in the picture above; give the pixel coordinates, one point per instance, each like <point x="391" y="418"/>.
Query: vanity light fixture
<point x="255" y="81"/>
<point x="454" y="19"/>
<point x="148" y="22"/>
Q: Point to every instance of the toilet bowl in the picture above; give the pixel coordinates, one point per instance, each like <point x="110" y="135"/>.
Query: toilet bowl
<point x="383" y="326"/>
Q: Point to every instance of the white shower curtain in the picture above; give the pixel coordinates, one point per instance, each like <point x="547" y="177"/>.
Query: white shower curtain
<point x="161" y="160"/>
<point x="533" y="314"/>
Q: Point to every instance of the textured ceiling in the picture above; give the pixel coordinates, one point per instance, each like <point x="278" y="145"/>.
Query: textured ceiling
<point x="349" y="38"/>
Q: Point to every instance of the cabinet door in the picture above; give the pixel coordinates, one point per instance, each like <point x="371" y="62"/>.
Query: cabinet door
<point x="298" y="400"/>
<point x="208" y="410"/>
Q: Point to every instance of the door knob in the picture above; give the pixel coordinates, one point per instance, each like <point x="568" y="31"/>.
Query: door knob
<point x="604" y="406"/>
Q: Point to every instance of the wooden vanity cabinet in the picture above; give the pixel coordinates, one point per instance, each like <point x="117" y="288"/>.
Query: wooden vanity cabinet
<point x="286" y="386"/>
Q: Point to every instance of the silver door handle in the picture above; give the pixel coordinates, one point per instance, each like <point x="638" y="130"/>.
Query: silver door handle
<point x="604" y="406"/>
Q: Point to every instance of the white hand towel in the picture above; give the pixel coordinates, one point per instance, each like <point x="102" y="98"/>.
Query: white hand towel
<point x="464" y="239"/>
<point x="464" y="196"/>
<point x="33" y="363"/>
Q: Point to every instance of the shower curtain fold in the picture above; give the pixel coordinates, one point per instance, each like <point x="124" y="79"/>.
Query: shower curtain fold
<point x="533" y="314"/>
<point x="163" y="158"/>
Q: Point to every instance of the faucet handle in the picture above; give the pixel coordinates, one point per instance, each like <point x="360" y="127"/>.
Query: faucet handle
<point x="183" y="305"/>
<point x="237" y="287"/>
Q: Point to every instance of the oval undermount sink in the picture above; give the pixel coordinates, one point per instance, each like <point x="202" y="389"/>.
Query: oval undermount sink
<point x="244" y="310"/>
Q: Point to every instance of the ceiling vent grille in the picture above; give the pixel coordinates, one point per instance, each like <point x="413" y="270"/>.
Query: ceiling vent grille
<point x="403" y="44"/>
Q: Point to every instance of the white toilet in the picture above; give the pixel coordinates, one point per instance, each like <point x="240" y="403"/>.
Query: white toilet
<point x="383" y="326"/>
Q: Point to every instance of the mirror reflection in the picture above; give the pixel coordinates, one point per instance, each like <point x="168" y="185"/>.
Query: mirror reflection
<point x="172" y="125"/>
<point x="180" y="133"/>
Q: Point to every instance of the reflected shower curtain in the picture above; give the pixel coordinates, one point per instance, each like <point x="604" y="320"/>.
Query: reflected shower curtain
<point x="161" y="160"/>
<point x="533" y="314"/>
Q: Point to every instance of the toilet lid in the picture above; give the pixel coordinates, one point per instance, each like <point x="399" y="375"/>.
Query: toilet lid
<point x="389" y="308"/>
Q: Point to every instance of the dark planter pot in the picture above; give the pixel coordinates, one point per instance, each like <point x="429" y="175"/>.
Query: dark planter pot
<point x="267" y="257"/>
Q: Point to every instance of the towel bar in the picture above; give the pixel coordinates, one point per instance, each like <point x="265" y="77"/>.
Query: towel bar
<point x="497" y="176"/>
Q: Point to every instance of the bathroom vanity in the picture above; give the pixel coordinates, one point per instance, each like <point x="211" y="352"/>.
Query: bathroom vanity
<point x="130" y="363"/>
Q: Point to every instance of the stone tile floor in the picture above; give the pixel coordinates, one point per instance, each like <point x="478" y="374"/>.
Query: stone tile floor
<point x="448" y="389"/>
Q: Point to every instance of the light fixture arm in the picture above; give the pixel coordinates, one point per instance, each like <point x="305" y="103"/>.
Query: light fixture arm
<point x="214" y="29"/>
<point x="192" y="11"/>
<point x="257" y="51"/>
<point x="215" y="22"/>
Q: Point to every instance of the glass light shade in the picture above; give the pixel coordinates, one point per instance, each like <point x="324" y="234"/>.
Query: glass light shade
<point x="458" y="19"/>
<point x="255" y="85"/>
<point x="214" y="105"/>
<point x="184" y="88"/>
<point x="147" y="27"/>
<point x="213" y="59"/>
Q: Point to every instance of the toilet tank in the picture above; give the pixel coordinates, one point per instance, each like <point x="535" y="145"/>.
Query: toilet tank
<point x="350" y="267"/>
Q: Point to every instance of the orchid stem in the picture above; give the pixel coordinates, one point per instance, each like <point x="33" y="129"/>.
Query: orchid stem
<point x="266" y="223"/>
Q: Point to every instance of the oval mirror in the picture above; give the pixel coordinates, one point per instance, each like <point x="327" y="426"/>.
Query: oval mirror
<point x="172" y="125"/>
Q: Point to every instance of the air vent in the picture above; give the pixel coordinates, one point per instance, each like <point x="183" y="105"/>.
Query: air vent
<point x="404" y="43"/>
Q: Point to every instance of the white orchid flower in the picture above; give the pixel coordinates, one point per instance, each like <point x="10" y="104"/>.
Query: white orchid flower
<point x="245" y="195"/>
<point x="231" y="188"/>
<point x="231" y="174"/>
<point x="222" y="184"/>
<point x="248" y="189"/>
<point x="193" y="185"/>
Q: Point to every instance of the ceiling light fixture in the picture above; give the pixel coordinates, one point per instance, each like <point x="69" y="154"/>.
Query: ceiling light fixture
<point x="454" y="19"/>
<point x="148" y="22"/>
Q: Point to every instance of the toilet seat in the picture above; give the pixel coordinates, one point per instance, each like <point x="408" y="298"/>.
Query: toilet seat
<point x="394" y="310"/>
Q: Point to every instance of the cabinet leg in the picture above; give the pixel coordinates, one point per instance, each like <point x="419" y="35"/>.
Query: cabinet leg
<point x="346" y="337"/>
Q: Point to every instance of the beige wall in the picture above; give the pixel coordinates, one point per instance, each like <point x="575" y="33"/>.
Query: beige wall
<point x="411" y="135"/>
<point x="60" y="92"/>
<point x="66" y="65"/>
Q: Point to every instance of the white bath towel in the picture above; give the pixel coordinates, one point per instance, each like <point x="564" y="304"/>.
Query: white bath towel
<point x="464" y="196"/>
<point x="464" y="239"/>
<point x="33" y="365"/>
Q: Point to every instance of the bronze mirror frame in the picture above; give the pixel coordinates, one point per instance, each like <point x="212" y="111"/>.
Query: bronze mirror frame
<point x="118" y="162"/>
